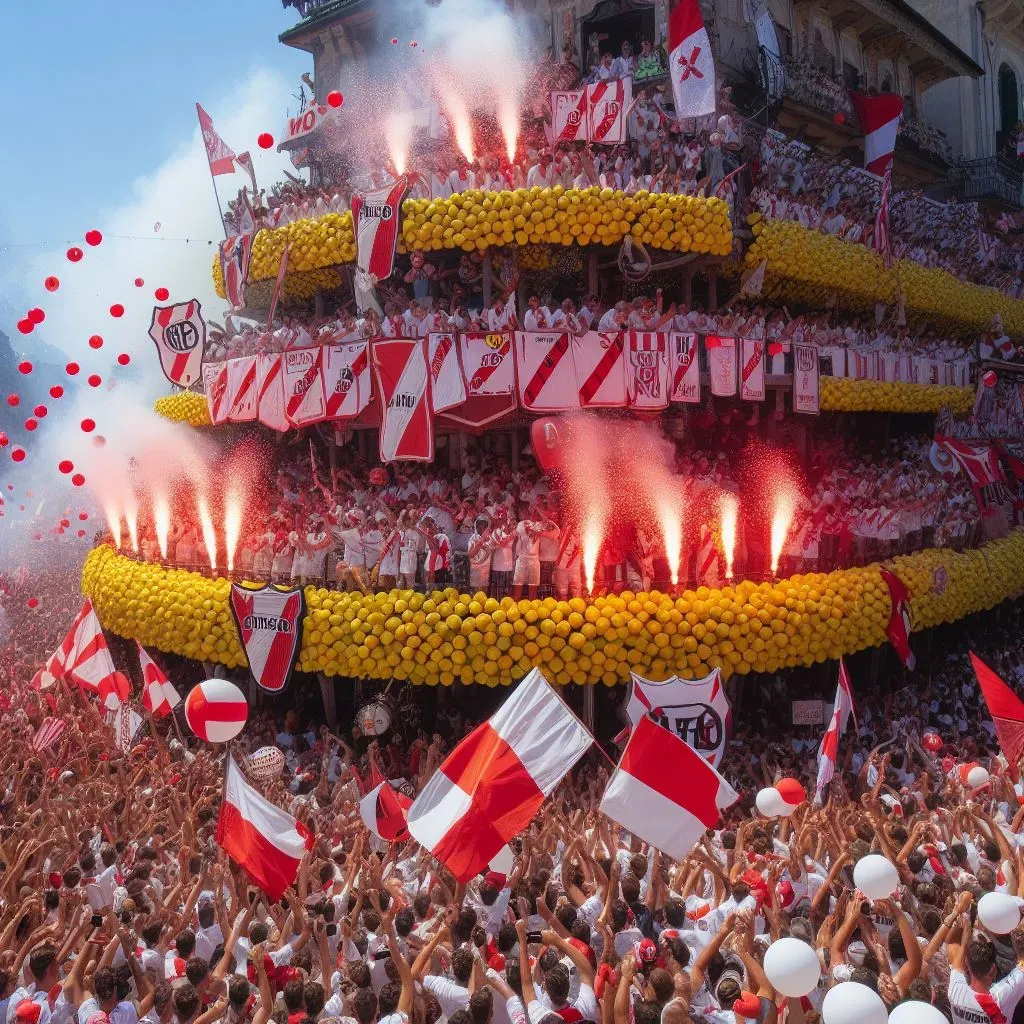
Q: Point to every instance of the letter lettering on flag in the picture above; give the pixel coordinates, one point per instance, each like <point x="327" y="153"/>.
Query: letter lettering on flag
<point x="569" y="116"/>
<point x="547" y="376"/>
<point x="179" y="333"/>
<point x="242" y="393"/>
<point x="752" y="370"/>
<point x="600" y="367"/>
<point x="721" y="365"/>
<point x="664" y="792"/>
<point x="879" y="118"/>
<point x="805" y="379"/>
<point x="376" y="216"/>
<point x="235" y="253"/>
<point x="159" y="696"/>
<point x="488" y="366"/>
<point x="607" y="104"/>
<point x="1006" y="709"/>
<point x="347" y="385"/>
<point x="447" y="387"/>
<point x="691" y="64"/>
<point x="269" y="622"/>
<point x="304" y="386"/>
<point x="263" y="840"/>
<point x="492" y="784"/>
<point x="647" y="370"/>
<point x="270" y="391"/>
<point x="828" y="752"/>
<point x="684" y="369"/>
<point x="403" y="380"/>
<point x="900" y="619"/>
<point x="215" y="383"/>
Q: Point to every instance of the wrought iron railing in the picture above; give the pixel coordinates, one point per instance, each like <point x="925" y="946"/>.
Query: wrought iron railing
<point x="989" y="178"/>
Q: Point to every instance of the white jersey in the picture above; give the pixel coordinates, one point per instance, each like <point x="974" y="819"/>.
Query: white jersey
<point x="968" y="1009"/>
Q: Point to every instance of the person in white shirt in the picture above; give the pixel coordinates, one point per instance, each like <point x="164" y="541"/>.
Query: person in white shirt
<point x="542" y="174"/>
<point x="536" y="317"/>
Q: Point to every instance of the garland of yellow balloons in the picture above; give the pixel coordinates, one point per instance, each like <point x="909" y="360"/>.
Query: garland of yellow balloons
<point x="820" y="264"/>
<point x="843" y="394"/>
<point x="448" y="637"/>
<point x="478" y="220"/>
<point x="184" y="407"/>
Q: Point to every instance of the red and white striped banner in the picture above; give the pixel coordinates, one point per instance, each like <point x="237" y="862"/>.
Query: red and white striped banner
<point x="270" y="391"/>
<point x="547" y="376"/>
<point x="179" y="333"/>
<point x="569" y="116"/>
<point x="347" y="384"/>
<point x="684" y="369"/>
<point x="447" y="386"/>
<point x="721" y="365"/>
<point x="752" y="370"/>
<point x="215" y="383"/>
<point x="48" y="733"/>
<point x="304" y="386"/>
<point x="403" y="378"/>
<point x="607" y="105"/>
<point x="647" y="370"/>
<point x="242" y="391"/>
<point x="599" y="359"/>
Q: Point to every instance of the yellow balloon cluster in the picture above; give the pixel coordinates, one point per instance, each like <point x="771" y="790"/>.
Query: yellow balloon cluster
<point x="536" y="257"/>
<point x="843" y="394"/>
<point x="824" y="264"/>
<point x="478" y="220"/>
<point x="448" y="637"/>
<point x="184" y="407"/>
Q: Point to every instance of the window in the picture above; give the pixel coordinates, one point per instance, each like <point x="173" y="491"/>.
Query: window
<point x="851" y="76"/>
<point x="1009" y="110"/>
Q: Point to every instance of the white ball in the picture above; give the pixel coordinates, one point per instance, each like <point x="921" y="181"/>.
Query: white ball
<point x="850" y="1002"/>
<point x="876" y="877"/>
<point x="977" y="777"/>
<point x="266" y="763"/>
<point x="914" y="1012"/>
<point x="770" y="803"/>
<point x="999" y="913"/>
<point x="792" y="967"/>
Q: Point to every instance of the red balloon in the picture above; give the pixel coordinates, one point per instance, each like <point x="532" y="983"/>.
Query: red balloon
<point x="40" y="411"/>
<point x="414" y="43"/>
<point x="265" y="140"/>
<point x="161" y="294"/>
<point x="65" y="522"/>
<point x="99" y="441"/>
<point x="81" y="533"/>
<point x="78" y="479"/>
<point x="83" y="516"/>
<point x="36" y="315"/>
<point x="88" y="425"/>
<point x="13" y="401"/>
<point x="4" y="441"/>
<point x="95" y="380"/>
<point x="791" y="791"/>
<point x="51" y="284"/>
<point x="932" y="742"/>
<point x="72" y="368"/>
<point x="33" y="602"/>
<point x="24" y="367"/>
<point x="117" y="310"/>
<point x="65" y="466"/>
<point x="26" y="326"/>
<point x="547" y="438"/>
<point x="378" y="476"/>
<point x="74" y="254"/>
<point x="839" y="117"/>
<point x="124" y="359"/>
<point x="139" y="282"/>
<point x="31" y="424"/>
<point x="56" y="391"/>
<point x="989" y="378"/>
<point x="335" y="99"/>
<point x="93" y="237"/>
<point x="96" y="341"/>
<point x="18" y="454"/>
<point x="394" y="41"/>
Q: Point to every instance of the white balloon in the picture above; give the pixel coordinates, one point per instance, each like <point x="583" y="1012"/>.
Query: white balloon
<point x="792" y="967"/>
<point x="770" y="803"/>
<point x="850" y="1002"/>
<point x="876" y="877"/>
<point x="977" y="777"/>
<point x="999" y="913"/>
<point x="503" y="861"/>
<point x="266" y="763"/>
<point x="914" y="1012"/>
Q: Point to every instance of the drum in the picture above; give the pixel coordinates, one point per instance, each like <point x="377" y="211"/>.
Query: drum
<point x="375" y="718"/>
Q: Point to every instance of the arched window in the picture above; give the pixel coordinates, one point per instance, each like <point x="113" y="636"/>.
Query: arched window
<point x="1009" y="110"/>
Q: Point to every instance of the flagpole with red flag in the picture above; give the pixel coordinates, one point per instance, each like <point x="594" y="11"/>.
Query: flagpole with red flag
<point x="219" y="157"/>
<point x="1006" y="709"/>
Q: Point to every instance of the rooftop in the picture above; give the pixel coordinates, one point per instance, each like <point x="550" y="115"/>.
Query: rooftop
<point x="315" y="13"/>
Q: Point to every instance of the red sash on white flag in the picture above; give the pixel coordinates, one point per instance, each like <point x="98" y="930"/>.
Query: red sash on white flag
<point x="215" y="382"/>
<point x="684" y="365"/>
<point x="600" y="369"/>
<point x="347" y="386"/>
<point x="304" y="386"/>
<point x="547" y="375"/>
<point x="242" y="394"/>
<point x="376" y="216"/>
<point x="607" y="103"/>
<point x="569" y="116"/>
<point x="647" y="370"/>
<point x="721" y="364"/>
<point x="270" y="391"/>
<point x="403" y="378"/>
<point x="179" y="333"/>
<point x="488" y="367"/>
<point x="752" y="370"/>
<point x="447" y="387"/>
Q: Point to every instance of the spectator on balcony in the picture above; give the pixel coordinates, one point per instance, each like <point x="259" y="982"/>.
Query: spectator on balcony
<point x="648" y="62"/>
<point x="625" y="64"/>
<point x="604" y="70"/>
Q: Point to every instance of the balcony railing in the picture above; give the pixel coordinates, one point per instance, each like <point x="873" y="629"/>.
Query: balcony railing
<point x="990" y="178"/>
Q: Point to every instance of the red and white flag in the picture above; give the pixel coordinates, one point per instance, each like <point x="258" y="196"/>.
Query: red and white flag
<point x="721" y="365"/>
<point x="1006" y="709"/>
<point x="489" y="369"/>
<point x="215" y="383"/>
<point x="607" y="106"/>
<point x="828" y="752"/>
<point x="269" y="622"/>
<point x="304" y="386"/>
<point x="275" y="295"/>
<point x="347" y="384"/>
<point x="49" y="731"/>
<point x="547" y="376"/>
<point x="900" y="620"/>
<point x="664" y="792"/>
<point x="752" y="388"/>
<point x="235" y="253"/>
<point x="403" y="380"/>
<point x="384" y="810"/>
<point x="691" y="64"/>
<point x="569" y="116"/>
<point x="684" y="369"/>
<point x="219" y="154"/>
<point x="376" y="216"/>
<point x="879" y="118"/>
<point x="806" y="382"/>
<point x="600" y="364"/>
<point x="83" y="658"/>
<point x="179" y="333"/>
<point x="493" y="783"/>
<point x="263" y="840"/>
<point x="882" y="239"/>
<point x="242" y="394"/>
<point x="270" y="407"/>
<point x="244" y="160"/>
<point x="159" y="696"/>
<point x="647" y="370"/>
<point x="447" y="386"/>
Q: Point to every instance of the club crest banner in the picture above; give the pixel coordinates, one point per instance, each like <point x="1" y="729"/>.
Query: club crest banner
<point x="179" y="333"/>
<point x="269" y="622"/>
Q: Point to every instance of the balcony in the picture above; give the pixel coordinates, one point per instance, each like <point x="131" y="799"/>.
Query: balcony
<point x="995" y="179"/>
